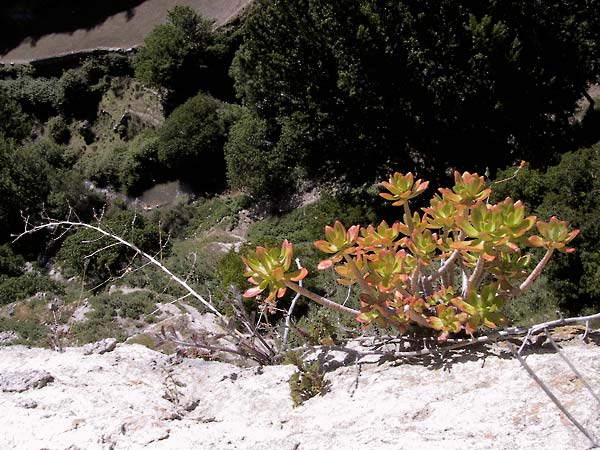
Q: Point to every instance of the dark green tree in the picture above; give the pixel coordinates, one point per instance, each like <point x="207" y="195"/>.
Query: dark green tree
<point x="350" y="88"/>
<point x="179" y="54"/>
<point x="252" y="162"/>
<point x="140" y="168"/>
<point x="24" y="186"/>
<point x="190" y="143"/>
<point x="14" y="123"/>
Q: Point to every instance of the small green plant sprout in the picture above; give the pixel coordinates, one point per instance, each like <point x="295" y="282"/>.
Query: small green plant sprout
<point x="308" y="381"/>
<point x="450" y="267"/>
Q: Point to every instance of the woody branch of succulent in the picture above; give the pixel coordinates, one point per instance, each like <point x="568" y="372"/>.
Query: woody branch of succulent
<point x="450" y="267"/>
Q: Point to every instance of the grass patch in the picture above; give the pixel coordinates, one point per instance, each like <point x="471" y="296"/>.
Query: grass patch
<point x="221" y="210"/>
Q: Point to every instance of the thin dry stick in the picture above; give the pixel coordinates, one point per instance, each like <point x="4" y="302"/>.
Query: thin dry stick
<point x="563" y="321"/>
<point x="170" y="303"/>
<point x="187" y="287"/>
<point x="347" y="296"/>
<point x="558" y="322"/>
<point x="321" y="300"/>
<point x="288" y="316"/>
<point x="552" y="397"/>
<point x="570" y="364"/>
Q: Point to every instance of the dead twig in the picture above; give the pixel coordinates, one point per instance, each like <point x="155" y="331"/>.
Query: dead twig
<point x="552" y="397"/>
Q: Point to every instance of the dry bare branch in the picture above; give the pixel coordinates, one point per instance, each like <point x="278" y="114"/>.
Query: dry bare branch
<point x="51" y="223"/>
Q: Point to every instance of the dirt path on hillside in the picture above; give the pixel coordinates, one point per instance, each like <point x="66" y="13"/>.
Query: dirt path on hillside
<point x="121" y="31"/>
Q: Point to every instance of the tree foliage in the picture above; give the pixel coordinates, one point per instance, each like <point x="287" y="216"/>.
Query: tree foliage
<point x="190" y="143"/>
<point x="24" y="185"/>
<point x="14" y="123"/>
<point x="349" y="87"/>
<point x="96" y="258"/>
<point x="252" y="162"/>
<point x="178" y="51"/>
<point x="570" y="191"/>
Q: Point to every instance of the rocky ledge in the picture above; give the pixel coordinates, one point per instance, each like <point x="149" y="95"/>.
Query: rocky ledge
<point x="131" y="397"/>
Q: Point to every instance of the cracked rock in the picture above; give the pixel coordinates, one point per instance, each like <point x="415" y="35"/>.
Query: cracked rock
<point x="23" y="381"/>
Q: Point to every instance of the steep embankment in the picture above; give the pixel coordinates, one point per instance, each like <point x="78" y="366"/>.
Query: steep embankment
<point x="134" y="398"/>
<point x="121" y="31"/>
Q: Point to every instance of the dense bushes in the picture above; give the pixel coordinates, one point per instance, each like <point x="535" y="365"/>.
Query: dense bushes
<point x="190" y="143"/>
<point x="97" y="258"/>
<point x="75" y="93"/>
<point x="252" y="162"/>
<point x="13" y="289"/>
<point x="570" y="191"/>
<point x="24" y="185"/>
<point x="58" y="130"/>
<point x="14" y="123"/>
<point x="188" y="147"/>
<point x="40" y="96"/>
<point x="350" y="88"/>
<point x="15" y="283"/>
<point x="104" y="167"/>
<point x="140" y="168"/>
<point x="173" y="49"/>
<point x="184" y="55"/>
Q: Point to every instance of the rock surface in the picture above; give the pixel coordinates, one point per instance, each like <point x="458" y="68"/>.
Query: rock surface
<point x="135" y="398"/>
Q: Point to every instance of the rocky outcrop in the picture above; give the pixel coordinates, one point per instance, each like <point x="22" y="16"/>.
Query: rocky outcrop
<point x="135" y="398"/>
<point x="21" y="381"/>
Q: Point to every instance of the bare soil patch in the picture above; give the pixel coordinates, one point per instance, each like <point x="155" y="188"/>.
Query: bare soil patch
<point x="120" y="31"/>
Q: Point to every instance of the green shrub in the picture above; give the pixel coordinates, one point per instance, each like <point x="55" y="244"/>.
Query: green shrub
<point x="42" y="97"/>
<point x="229" y="271"/>
<point x="320" y="326"/>
<point x="209" y="212"/>
<point x="14" y="123"/>
<point x="540" y="304"/>
<point x="11" y="264"/>
<point x="96" y="329"/>
<point x="97" y="258"/>
<point x="104" y="167"/>
<point x="308" y="382"/>
<point x="139" y="166"/>
<point x="118" y="305"/>
<point x="24" y="185"/>
<point x="17" y="288"/>
<point x="103" y="319"/>
<point x="305" y="225"/>
<point x="570" y="191"/>
<point x="59" y="130"/>
<point x="174" y="50"/>
<point x="30" y="330"/>
<point x="190" y="143"/>
<point x="252" y="163"/>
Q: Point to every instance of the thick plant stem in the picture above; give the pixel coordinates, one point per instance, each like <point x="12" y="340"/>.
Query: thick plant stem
<point x="359" y="277"/>
<point x="444" y="267"/>
<point x="536" y="272"/>
<point x="321" y="300"/>
<point x="416" y="317"/>
<point x="409" y="222"/>
<point x="475" y="277"/>
<point x="414" y="279"/>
